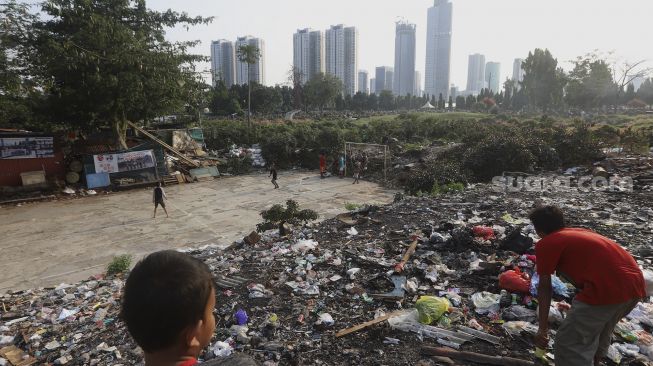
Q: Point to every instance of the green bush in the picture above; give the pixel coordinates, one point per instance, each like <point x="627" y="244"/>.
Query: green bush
<point x="447" y="188"/>
<point x="351" y="206"/>
<point x="277" y="216"/>
<point x="238" y="165"/>
<point x="119" y="264"/>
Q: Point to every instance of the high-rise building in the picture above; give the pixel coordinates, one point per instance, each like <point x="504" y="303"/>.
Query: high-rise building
<point x="517" y="72"/>
<point x="223" y="62"/>
<point x="383" y="80"/>
<point x="493" y="76"/>
<point x="438" y="48"/>
<point x="362" y="81"/>
<point x="454" y="92"/>
<point x="308" y="53"/>
<point x="373" y="86"/>
<point x="256" y="70"/>
<point x="418" y="84"/>
<point x="342" y="56"/>
<point x="404" y="76"/>
<point x="476" y="74"/>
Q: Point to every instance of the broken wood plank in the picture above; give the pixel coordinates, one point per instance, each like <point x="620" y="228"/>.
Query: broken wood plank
<point x="358" y="327"/>
<point x="411" y="249"/>
<point x="474" y="357"/>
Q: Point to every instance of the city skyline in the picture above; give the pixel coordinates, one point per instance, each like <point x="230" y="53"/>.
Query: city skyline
<point x="519" y="28"/>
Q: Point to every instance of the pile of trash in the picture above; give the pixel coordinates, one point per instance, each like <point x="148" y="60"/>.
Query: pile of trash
<point x="399" y="284"/>
<point x="253" y="152"/>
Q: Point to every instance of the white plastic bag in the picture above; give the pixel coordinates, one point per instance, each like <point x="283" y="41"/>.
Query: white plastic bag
<point x="648" y="279"/>
<point x="486" y="302"/>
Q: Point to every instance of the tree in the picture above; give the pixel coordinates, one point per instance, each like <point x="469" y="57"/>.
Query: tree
<point x="624" y="73"/>
<point x="460" y="102"/>
<point x="543" y="80"/>
<point x="509" y="87"/>
<point x="108" y="62"/>
<point x="359" y="101"/>
<point x="372" y="102"/>
<point x="17" y="88"/>
<point x="295" y="77"/>
<point x="450" y="104"/>
<point x="249" y="54"/>
<point x="440" y="102"/>
<point x="590" y="83"/>
<point x="645" y="92"/>
<point x="386" y="100"/>
<point x="322" y="90"/>
<point x="470" y="101"/>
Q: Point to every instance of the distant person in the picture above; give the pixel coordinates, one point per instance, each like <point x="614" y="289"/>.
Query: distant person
<point x="323" y="165"/>
<point x="273" y="174"/>
<point x="158" y="199"/>
<point x="357" y="172"/>
<point x="341" y="166"/>
<point x="167" y="305"/>
<point x="365" y="160"/>
<point x="608" y="277"/>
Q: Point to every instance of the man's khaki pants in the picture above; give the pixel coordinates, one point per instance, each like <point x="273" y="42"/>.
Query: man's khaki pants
<point x="587" y="332"/>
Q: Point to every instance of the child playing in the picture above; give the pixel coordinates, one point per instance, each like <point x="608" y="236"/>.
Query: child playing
<point x="158" y="199"/>
<point x="273" y="173"/>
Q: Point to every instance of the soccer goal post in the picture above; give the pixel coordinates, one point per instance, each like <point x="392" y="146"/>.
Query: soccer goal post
<point x="370" y="155"/>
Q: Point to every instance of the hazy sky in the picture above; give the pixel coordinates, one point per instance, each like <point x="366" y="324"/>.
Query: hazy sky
<point x="500" y="29"/>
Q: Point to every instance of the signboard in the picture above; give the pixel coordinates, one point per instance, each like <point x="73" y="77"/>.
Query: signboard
<point x="26" y="147"/>
<point x="124" y="162"/>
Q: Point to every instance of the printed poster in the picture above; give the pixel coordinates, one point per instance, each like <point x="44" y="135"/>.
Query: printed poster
<point x="26" y="147"/>
<point x="124" y="162"/>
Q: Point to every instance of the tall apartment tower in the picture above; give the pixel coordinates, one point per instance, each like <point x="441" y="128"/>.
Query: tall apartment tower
<point x="493" y="76"/>
<point x="517" y="72"/>
<point x="257" y="70"/>
<point x="438" y="48"/>
<point x="341" y="46"/>
<point x="308" y="53"/>
<point x="404" y="77"/>
<point x="384" y="79"/>
<point x="363" y="77"/>
<point x="223" y="62"/>
<point x="475" y="74"/>
<point x="418" y="84"/>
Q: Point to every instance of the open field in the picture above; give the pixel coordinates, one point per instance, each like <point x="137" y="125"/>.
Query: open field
<point x="44" y="244"/>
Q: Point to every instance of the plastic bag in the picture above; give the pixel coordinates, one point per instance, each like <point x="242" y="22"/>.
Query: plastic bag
<point x="431" y="308"/>
<point x="485" y="232"/>
<point x="516" y="327"/>
<point x="519" y="312"/>
<point x="614" y="355"/>
<point x="514" y="281"/>
<point x="559" y="287"/>
<point x="648" y="279"/>
<point x="486" y="302"/>
<point x="642" y="313"/>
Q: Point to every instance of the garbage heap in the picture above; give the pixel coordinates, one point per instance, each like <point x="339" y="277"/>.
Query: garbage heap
<point x="423" y="277"/>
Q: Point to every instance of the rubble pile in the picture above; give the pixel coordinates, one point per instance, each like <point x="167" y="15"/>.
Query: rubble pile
<point x="453" y="271"/>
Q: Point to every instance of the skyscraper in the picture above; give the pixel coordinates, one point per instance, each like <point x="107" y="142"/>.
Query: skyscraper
<point x="493" y="76"/>
<point x="517" y="72"/>
<point x="223" y="62"/>
<point x="404" y="77"/>
<point x="418" y="84"/>
<point x="257" y="70"/>
<point x="362" y="81"/>
<point x="342" y="56"/>
<point x="373" y="86"/>
<point x="438" y="48"/>
<point x="476" y="74"/>
<point x="454" y="92"/>
<point x="383" y="80"/>
<point x="308" y="53"/>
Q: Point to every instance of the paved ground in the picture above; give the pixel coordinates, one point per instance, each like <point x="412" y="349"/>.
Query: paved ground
<point x="44" y="244"/>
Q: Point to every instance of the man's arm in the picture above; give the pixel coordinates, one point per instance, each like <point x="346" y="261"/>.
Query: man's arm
<point x="544" y="292"/>
<point x="163" y="193"/>
<point x="154" y="195"/>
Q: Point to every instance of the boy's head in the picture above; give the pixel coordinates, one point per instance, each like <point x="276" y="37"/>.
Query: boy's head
<point x="547" y="219"/>
<point x="158" y="184"/>
<point x="168" y="303"/>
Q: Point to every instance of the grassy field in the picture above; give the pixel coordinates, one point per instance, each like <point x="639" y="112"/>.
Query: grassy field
<point x="421" y="115"/>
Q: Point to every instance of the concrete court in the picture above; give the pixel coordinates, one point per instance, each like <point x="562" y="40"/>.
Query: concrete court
<point x="47" y="243"/>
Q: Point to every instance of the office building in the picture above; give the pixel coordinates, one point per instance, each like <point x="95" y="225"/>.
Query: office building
<point x="475" y="74"/>
<point x="373" y="86"/>
<point x="493" y="76"/>
<point x="438" y="48"/>
<point x="454" y="92"/>
<point x="384" y="79"/>
<point x="404" y="70"/>
<point x="362" y="81"/>
<point x="418" y="84"/>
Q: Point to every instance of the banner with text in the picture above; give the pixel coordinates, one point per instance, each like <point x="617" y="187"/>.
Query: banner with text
<point x="124" y="162"/>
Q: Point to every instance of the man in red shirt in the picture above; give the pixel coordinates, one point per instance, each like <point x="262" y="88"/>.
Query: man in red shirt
<point x="610" y="283"/>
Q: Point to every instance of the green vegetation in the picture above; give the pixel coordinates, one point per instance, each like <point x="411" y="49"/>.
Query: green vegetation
<point x="447" y="188"/>
<point x="349" y="206"/>
<point x="119" y="264"/>
<point x="277" y="216"/>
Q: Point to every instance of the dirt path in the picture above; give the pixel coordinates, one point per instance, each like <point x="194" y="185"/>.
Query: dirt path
<point x="44" y="244"/>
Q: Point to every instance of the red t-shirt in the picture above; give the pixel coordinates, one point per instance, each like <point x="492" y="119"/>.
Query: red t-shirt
<point x="605" y="273"/>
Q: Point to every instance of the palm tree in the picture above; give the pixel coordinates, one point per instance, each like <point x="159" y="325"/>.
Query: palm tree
<point x="249" y="54"/>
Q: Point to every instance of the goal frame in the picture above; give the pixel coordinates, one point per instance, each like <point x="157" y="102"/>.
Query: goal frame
<point x="385" y="149"/>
